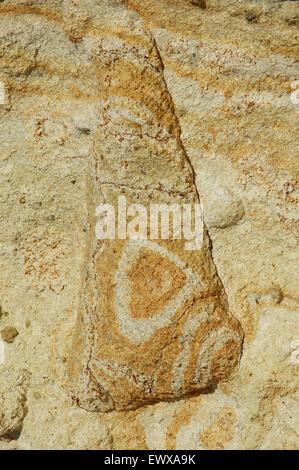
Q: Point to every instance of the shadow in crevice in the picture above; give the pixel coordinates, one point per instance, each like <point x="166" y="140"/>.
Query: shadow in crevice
<point x="11" y="436"/>
<point x="206" y="391"/>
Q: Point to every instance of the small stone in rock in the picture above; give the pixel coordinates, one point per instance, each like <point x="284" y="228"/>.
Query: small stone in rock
<point x="8" y="334"/>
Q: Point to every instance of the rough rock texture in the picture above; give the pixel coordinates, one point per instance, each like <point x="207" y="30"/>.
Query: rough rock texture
<point x="153" y="319"/>
<point x="13" y="389"/>
<point x="137" y="97"/>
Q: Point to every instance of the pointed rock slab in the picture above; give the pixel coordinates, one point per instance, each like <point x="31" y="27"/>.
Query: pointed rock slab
<point x="154" y="322"/>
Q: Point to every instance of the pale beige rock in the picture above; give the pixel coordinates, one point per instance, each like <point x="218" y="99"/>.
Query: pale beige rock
<point x="8" y="334"/>
<point x="222" y="210"/>
<point x="13" y="390"/>
<point x="230" y="80"/>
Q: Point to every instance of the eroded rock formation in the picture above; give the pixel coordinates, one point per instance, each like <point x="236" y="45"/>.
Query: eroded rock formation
<point x="157" y="101"/>
<point x="154" y="316"/>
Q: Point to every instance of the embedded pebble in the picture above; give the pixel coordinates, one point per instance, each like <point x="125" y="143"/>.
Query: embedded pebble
<point x="222" y="209"/>
<point x="13" y="392"/>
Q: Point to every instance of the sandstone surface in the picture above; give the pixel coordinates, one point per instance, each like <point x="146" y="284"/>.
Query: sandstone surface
<point x="145" y="345"/>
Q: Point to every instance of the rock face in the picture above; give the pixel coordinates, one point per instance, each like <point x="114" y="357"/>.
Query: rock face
<point x="158" y="102"/>
<point x="13" y="389"/>
<point x="154" y="317"/>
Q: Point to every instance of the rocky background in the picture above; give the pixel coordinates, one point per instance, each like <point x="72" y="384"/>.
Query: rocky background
<point x="223" y="96"/>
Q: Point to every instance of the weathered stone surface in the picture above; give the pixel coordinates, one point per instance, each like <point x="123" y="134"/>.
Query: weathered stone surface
<point x="13" y="389"/>
<point x="8" y="334"/>
<point x="153" y="322"/>
<point x="211" y="88"/>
